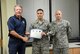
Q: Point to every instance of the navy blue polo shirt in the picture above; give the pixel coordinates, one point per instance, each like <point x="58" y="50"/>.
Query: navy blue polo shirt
<point x="19" y="25"/>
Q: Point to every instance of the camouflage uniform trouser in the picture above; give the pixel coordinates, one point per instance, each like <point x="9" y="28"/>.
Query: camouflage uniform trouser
<point x="40" y="48"/>
<point x="61" y="50"/>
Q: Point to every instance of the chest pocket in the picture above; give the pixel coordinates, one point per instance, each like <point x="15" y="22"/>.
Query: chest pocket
<point x="61" y="27"/>
<point x="41" y="26"/>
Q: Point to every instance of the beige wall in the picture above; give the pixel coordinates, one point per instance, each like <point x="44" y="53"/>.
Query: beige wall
<point x="7" y="11"/>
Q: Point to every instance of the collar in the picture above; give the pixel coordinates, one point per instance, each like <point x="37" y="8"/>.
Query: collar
<point x="17" y="17"/>
<point x="41" y="21"/>
<point x="59" y="21"/>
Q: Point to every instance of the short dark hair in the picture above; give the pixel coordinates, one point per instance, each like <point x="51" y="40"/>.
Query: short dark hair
<point x="40" y="10"/>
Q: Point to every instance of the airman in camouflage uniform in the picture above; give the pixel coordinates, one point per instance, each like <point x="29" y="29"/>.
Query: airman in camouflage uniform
<point x="40" y="46"/>
<point x="60" y="30"/>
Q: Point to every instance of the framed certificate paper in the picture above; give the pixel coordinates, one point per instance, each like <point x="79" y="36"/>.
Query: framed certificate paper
<point x="36" y="33"/>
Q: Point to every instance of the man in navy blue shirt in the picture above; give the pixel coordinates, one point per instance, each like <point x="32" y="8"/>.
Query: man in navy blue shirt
<point x="17" y="32"/>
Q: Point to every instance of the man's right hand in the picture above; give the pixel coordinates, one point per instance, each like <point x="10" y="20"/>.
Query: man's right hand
<point x="25" y="39"/>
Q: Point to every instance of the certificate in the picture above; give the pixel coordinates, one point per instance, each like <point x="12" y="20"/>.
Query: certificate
<point x="36" y="33"/>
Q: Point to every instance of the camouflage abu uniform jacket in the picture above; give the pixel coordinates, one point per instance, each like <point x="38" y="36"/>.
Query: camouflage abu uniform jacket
<point x="44" y="26"/>
<point x="60" y="32"/>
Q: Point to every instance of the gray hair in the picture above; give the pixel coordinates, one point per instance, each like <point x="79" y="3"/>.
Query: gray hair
<point x="18" y="6"/>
